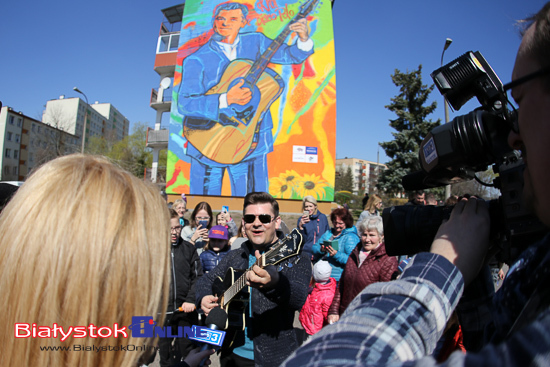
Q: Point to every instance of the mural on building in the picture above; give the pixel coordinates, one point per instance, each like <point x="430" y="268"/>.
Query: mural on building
<point x="254" y="100"/>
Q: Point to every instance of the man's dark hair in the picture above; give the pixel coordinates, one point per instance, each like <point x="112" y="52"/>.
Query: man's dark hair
<point x="539" y="45"/>
<point x="344" y="215"/>
<point x="412" y="194"/>
<point x="254" y="198"/>
<point x="173" y="214"/>
<point x="6" y="192"/>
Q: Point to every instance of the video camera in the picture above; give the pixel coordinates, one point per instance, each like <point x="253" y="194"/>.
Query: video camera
<point x="454" y="152"/>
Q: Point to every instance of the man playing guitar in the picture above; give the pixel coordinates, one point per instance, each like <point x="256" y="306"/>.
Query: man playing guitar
<point x="275" y="292"/>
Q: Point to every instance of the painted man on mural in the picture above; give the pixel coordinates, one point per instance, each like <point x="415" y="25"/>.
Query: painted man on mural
<point x="225" y="94"/>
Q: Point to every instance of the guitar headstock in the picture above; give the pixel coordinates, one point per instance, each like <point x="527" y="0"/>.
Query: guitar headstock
<point x="287" y="247"/>
<point x="307" y="7"/>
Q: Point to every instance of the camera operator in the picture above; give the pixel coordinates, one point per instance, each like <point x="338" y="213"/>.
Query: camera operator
<point x="393" y="322"/>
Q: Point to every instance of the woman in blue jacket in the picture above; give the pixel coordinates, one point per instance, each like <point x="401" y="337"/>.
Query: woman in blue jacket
<point x="313" y="224"/>
<point x="345" y="235"/>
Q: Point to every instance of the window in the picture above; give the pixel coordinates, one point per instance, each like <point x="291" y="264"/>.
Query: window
<point x="17" y="138"/>
<point x="33" y="128"/>
<point x="8" y="153"/>
<point x="6" y="170"/>
<point x="11" y="119"/>
<point x="168" y="43"/>
<point x="15" y="170"/>
<point x="19" y="122"/>
<point x="15" y="154"/>
<point x="8" y="136"/>
<point x="31" y="157"/>
<point x="39" y="128"/>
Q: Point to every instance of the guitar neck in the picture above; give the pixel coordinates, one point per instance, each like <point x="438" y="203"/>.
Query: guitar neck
<point x="285" y="248"/>
<point x="260" y="64"/>
<point x="240" y="283"/>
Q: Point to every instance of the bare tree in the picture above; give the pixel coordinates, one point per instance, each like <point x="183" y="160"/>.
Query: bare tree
<point x="53" y="139"/>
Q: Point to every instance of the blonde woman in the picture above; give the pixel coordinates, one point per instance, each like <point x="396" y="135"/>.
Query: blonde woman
<point x="180" y="206"/>
<point x="371" y="209"/>
<point x="83" y="243"/>
<point x="312" y="224"/>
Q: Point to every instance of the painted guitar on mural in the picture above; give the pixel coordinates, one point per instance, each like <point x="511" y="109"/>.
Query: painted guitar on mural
<point x="234" y="136"/>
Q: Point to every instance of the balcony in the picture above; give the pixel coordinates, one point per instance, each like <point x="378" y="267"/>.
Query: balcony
<point x="157" y="138"/>
<point x="161" y="101"/>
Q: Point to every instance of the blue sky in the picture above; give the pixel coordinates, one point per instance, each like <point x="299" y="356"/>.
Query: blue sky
<point x="107" y="50"/>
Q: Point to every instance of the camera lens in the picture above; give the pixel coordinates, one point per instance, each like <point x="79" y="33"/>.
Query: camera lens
<point x="410" y="229"/>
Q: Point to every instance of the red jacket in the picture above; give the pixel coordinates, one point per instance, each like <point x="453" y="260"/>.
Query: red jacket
<point x="377" y="267"/>
<point x="313" y="315"/>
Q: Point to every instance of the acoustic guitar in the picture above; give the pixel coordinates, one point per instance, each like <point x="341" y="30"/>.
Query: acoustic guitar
<point x="234" y="292"/>
<point x="234" y="135"/>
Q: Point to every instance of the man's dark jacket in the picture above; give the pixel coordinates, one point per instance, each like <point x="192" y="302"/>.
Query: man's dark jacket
<point x="273" y="310"/>
<point x="185" y="270"/>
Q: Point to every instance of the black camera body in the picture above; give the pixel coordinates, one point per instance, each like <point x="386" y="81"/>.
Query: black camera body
<point x="454" y="152"/>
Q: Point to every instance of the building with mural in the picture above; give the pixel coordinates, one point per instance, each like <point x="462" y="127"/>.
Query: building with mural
<point x="253" y="99"/>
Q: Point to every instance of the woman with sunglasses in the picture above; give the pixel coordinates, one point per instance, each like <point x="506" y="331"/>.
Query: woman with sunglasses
<point x="337" y="243"/>
<point x="197" y="230"/>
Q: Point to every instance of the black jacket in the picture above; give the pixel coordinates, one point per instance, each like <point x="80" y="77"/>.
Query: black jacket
<point x="273" y="310"/>
<point x="186" y="269"/>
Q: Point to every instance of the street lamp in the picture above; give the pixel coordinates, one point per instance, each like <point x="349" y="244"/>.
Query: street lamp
<point x="448" y="42"/>
<point x="85" y="117"/>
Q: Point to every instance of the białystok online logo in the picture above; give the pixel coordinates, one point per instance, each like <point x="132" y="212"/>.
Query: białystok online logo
<point x="141" y="327"/>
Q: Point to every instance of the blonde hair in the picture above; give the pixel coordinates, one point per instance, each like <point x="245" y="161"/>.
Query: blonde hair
<point x="309" y="199"/>
<point x="373" y="201"/>
<point x="83" y="242"/>
<point x="178" y="202"/>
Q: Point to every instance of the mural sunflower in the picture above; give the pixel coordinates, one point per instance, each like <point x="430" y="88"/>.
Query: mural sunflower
<point x="312" y="185"/>
<point x="279" y="188"/>
<point x="291" y="177"/>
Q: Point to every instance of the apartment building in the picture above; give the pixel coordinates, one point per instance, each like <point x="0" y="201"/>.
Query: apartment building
<point x="27" y="143"/>
<point x="161" y="96"/>
<point x="104" y="120"/>
<point x="364" y="173"/>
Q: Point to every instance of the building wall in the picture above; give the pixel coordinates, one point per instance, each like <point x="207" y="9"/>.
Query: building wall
<point x="363" y="171"/>
<point x="104" y="119"/>
<point x="300" y="159"/>
<point x="27" y="143"/>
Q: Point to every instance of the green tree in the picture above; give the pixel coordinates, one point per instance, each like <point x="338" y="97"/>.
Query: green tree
<point x="411" y="126"/>
<point x="130" y="153"/>
<point x="344" y="180"/>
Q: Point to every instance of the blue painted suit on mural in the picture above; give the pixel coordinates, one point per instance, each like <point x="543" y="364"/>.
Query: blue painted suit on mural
<point x="203" y="70"/>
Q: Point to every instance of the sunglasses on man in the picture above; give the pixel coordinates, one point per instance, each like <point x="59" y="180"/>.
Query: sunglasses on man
<point x="251" y="218"/>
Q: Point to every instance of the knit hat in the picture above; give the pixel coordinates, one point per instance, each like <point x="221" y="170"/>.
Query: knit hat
<point x="219" y="232"/>
<point x="321" y="271"/>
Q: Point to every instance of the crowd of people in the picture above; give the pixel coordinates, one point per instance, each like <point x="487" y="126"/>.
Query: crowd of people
<point x="94" y="251"/>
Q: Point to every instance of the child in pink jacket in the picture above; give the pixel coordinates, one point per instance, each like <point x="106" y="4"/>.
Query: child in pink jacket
<point x="314" y="313"/>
